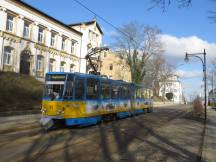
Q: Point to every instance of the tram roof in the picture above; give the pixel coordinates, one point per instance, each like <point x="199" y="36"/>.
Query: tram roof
<point x="97" y="77"/>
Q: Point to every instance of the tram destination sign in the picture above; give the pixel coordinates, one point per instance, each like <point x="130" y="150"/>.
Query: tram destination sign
<point x="55" y="77"/>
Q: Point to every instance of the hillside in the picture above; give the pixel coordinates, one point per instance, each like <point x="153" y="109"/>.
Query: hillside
<point x="19" y="93"/>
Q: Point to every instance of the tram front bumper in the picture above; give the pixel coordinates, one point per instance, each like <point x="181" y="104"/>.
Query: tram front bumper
<point x="47" y="122"/>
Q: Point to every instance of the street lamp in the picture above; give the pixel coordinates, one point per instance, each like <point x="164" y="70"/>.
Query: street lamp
<point x="203" y="60"/>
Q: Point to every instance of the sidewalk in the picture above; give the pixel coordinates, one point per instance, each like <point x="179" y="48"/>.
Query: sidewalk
<point x="19" y="122"/>
<point x="163" y="104"/>
<point x="209" y="145"/>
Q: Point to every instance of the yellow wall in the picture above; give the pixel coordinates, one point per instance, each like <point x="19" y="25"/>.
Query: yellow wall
<point x="120" y="69"/>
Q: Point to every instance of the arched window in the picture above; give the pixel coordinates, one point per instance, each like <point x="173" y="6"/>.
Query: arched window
<point x="62" y="66"/>
<point x="111" y="66"/>
<point x="40" y="63"/>
<point x="8" y="55"/>
<point x="52" y="65"/>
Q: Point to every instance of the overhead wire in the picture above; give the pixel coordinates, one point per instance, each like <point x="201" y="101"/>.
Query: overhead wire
<point x="103" y="19"/>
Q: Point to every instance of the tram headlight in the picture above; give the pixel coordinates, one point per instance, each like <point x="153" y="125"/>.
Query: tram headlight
<point x="59" y="112"/>
<point x="43" y="110"/>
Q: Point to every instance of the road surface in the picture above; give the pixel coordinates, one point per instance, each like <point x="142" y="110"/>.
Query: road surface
<point x="167" y="134"/>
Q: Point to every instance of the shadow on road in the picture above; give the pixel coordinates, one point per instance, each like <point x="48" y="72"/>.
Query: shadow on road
<point x="131" y="139"/>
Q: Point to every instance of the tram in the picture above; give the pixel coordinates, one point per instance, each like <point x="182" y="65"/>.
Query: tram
<point x="85" y="99"/>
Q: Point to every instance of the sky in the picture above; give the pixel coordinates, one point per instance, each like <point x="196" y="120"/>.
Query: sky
<point x="183" y="29"/>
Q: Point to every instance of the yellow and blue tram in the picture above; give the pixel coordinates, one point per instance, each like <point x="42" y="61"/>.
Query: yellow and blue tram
<point x="84" y="99"/>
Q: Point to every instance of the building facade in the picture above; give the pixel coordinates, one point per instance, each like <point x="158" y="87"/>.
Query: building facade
<point x="114" y="66"/>
<point x="91" y="38"/>
<point x="32" y="42"/>
<point x="174" y="86"/>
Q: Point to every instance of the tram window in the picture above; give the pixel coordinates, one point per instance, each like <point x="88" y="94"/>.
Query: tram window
<point x="138" y="93"/>
<point x="105" y="90"/>
<point x="54" y="91"/>
<point x="128" y="92"/>
<point x="115" y="92"/>
<point x="92" y="88"/>
<point x="121" y="92"/>
<point x="79" y="88"/>
<point x="70" y="77"/>
<point x="142" y="93"/>
<point x="124" y="92"/>
<point x="69" y="90"/>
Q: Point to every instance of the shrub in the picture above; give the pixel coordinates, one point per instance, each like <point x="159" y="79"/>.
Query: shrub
<point x="19" y="91"/>
<point x="198" y="107"/>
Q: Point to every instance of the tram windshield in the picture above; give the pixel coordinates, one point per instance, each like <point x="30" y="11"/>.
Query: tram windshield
<point x="54" y="91"/>
<point x="54" y="86"/>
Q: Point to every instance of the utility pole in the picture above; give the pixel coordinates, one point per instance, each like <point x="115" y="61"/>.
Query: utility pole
<point x="213" y="92"/>
<point x="205" y="80"/>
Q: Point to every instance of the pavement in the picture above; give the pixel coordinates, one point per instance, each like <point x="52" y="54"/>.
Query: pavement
<point x="164" y="104"/>
<point x="209" y="144"/>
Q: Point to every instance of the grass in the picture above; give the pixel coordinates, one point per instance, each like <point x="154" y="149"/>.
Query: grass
<point x="19" y="92"/>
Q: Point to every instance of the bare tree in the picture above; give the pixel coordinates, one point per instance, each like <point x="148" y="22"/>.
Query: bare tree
<point x="165" y="3"/>
<point x="212" y="75"/>
<point x="181" y="4"/>
<point x="137" y="43"/>
<point x="159" y="72"/>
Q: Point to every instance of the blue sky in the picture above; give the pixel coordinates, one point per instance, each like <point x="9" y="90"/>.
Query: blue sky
<point x="185" y="29"/>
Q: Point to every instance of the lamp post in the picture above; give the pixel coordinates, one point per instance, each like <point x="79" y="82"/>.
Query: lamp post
<point x="203" y="60"/>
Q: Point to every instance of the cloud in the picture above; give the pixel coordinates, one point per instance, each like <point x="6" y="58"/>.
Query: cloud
<point x="189" y="74"/>
<point x="112" y="33"/>
<point x="175" y="47"/>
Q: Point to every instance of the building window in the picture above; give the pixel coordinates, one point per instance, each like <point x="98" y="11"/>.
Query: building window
<point x="90" y="35"/>
<point x="73" y="48"/>
<point x="40" y="35"/>
<point x="72" y="66"/>
<point x="9" y="26"/>
<point x="111" y="67"/>
<point x="40" y="63"/>
<point x="62" y="66"/>
<point x="26" y="32"/>
<point x="63" y="43"/>
<point x="169" y="84"/>
<point x="53" y="39"/>
<point x="51" y="65"/>
<point x="8" y="55"/>
<point x="94" y="37"/>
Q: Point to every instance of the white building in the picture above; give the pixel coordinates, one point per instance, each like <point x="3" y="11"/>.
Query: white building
<point x="91" y="38"/>
<point x="174" y="86"/>
<point x="32" y="42"/>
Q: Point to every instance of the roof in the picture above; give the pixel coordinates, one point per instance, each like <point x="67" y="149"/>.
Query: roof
<point x="45" y="15"/>
<point x="88" y="23"/>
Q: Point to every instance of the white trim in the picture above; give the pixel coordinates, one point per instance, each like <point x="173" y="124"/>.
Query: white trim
<point x="55" y="82"/>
